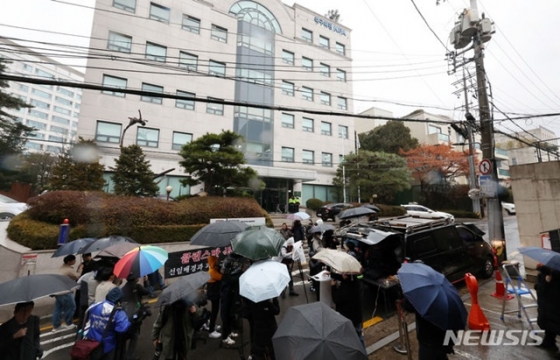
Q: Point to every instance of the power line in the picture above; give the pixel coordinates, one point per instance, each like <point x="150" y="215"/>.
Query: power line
<point x="428" y="25"/>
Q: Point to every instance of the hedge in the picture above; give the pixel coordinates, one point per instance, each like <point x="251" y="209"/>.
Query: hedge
<point x="146" y="220"/>
<point x="314" y="204"/>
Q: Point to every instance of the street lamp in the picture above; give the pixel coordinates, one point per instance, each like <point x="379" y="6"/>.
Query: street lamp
<point x="168" y="190"/>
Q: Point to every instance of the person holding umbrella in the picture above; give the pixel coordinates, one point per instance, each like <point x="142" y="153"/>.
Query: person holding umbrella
<point x="548" y="297"/>
<point x="347" y="296"/>
<point x="287" y="253"/>
<point x="262" y="321"/>
<point x="213" y="288"/>
<point x="19" y="336"/>
<point x="65" y="305"/>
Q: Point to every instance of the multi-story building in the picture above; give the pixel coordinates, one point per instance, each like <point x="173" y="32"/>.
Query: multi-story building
<point x="56" y="109"/>
<point x="520" y="153"/>
<point x="364" y="125"/>
<point x="262" y="52"/>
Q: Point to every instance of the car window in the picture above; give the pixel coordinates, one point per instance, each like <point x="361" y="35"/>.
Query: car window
<point x="423" y="245"/>
<point x="6" y="199"/>
<point x="466" y="235"/>
<point x="447" y="238"/>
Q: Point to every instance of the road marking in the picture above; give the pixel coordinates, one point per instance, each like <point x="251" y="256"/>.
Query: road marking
<point x="60" y="347"/>
<point x="372" y="322"/>
<point x="58" y="339"/>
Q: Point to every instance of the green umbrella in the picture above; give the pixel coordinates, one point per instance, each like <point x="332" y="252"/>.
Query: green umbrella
<point x="257" y="244"/>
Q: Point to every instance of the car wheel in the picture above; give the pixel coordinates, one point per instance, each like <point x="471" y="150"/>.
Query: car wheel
<point x="6" y="216"/>
<point x="488" y="269"/>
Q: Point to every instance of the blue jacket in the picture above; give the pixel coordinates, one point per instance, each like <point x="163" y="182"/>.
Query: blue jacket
<point x="97" y="317"/>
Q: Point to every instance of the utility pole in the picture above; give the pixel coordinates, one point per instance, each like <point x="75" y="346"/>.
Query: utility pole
<point x="470" y="28"/>
<point x="494" y="207"/>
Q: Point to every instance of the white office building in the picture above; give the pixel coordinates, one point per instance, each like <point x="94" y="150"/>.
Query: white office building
<point x="242" y="51"/>
<point x="55" y="111"/>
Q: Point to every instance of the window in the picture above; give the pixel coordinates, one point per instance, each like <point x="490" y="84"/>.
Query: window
<point x="343" y="131"/>
<point x="27" y="68"/>
<point x="154" y="89"/>
<point x="147" y="137"/>
<point x="287" y="120"/>
<point x="340" y="158"/>
<point x="216" y="109"/>
<point x="433" y="129"/>
<point x="287" y="154"/>
<point x="325" y="70"/>
<point x="155" y="52"/>
<point x="342" y="103"/>
<point x="325" y="98"/>
<point x="38" y="114"/>
<point x="307" y="35"/>
<point x="307" y="93"/>
<point x="40" y="93"/>
<point x="108" y="132"/>
<point x="326" y="128"/>
<point x="308" y="157"/>
<point x="287" y="88"/>
<point x="307" y="125"/>
<point x="60" y="120"/>
<point x="217" y="68"/>
<point x="185" y="104"/>
<point x="40" y="104"/>
<point x="119" y="42"/>
<point x="188" y="61"/>
<point x="324" y="42"/>
<point x="42" y="73"/>
<point x="23" y="88"/>
<point x="114" y="82"/>
<point x="191" y="24"/>
<point x="340" y="48"/>
<point x="219" y="33"/>
<point x="37" y="135"/>
<point x="63" y="101"/>
<point x="341" y="75"/>
<point x="58" y="129"/>
<point x="65" y="92"/>
<point x="307" y="63"/>
<point x="288" y="57"/>
<point x="244" y="112"/>
<point x="127" y="5"/>
<point x="159" y="13"/>
<point x="62" y="110"/>
<point x="56" y="138"/>
<point x="36" y="124"/>
<point x="327" y="159"/>
<point x="180" y="139"/>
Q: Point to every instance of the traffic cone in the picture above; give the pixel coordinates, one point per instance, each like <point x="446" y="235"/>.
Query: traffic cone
<point x="500" y="288"/>
<point x="477" y="319"/>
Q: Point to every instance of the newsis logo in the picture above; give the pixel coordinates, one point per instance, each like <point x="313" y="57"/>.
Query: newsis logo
<point x="494" y="337"/>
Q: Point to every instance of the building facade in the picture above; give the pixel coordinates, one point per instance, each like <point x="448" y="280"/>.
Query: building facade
<point x="520" y="153"/>
<point x="56" y="109"/>
<point x="264" y="53"/>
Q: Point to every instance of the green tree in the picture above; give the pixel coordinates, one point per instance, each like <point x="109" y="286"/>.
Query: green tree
<point x="78" y="169"/>
<point x="389" y="138"/>
<point x="377" y="173"/>
<point x="36" y="170"/>
<point x="133" y="176"/>
<point x="12" y="134"/>
<point x="216" y="161"/>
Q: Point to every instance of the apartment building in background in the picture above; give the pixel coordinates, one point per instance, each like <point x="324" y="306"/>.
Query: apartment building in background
<point x="257" y="52"/>
<point x="55" y="109"/>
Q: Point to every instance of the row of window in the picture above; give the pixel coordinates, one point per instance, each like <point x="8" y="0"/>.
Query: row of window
<point x="42" y="126"/>
<point x="324" y="41"/>
<point x="40" y="147"/>
<point x="147" y="137"/>
<point x="307" y="157"/>
<point x="62" y="90"/>
<point x="55" y="118"/>
<point x="308" y="125"/>
<point x="192" y="24"/>
<point x="308" y="94"/>
<point x="288" y="57"/>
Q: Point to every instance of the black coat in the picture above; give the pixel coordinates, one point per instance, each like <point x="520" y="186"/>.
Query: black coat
<point x="347" y="297"/>
<point x="548" y="298"/>
<point x="298" y="233"/>
<point x="25" y="348"/>
<point x="262" y="318"/>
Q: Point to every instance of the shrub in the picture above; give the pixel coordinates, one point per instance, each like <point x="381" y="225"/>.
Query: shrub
<point x="146" y="220"/>
<point x="390" y="210"/>
<point x="313" y="204"/>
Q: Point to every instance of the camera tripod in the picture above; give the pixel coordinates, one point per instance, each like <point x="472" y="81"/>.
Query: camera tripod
<point x="301" y="276"/>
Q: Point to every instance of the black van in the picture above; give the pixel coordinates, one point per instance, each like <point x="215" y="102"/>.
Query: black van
<point x="452" y="249"/>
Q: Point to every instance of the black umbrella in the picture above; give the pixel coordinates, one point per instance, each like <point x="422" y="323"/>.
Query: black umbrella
<point x="355" y="212"/>
<point x="186" y="286"/>
<point x="72" y="247"/>
<point x="371" y="207"/>
<point x="316" y="332"/>
<point x="218" y="234"/>
<point x="103" y="243"/>
<point x="33" y="287"/>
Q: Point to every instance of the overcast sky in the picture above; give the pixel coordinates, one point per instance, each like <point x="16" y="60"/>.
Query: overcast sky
<point x="397" y="59"/>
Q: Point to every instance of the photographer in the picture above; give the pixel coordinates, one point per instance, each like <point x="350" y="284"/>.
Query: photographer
<point x="136" y="312"/>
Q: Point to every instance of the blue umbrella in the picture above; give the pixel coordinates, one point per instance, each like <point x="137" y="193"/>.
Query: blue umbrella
<point x="433" y="296"/>
<point x="72" y="247"/>
<point x="548" y="258"/>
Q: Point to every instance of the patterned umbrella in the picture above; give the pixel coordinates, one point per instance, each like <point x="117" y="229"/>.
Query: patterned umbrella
<point x="140" y="261"/>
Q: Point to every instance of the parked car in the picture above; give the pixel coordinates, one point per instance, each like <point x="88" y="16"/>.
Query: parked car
<point x="330" y="211"/>
<point x="509" y="208"/>
<point x="10" y="207"/>
<point x="426" y="213"/>
<point x="452" y="249"/>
